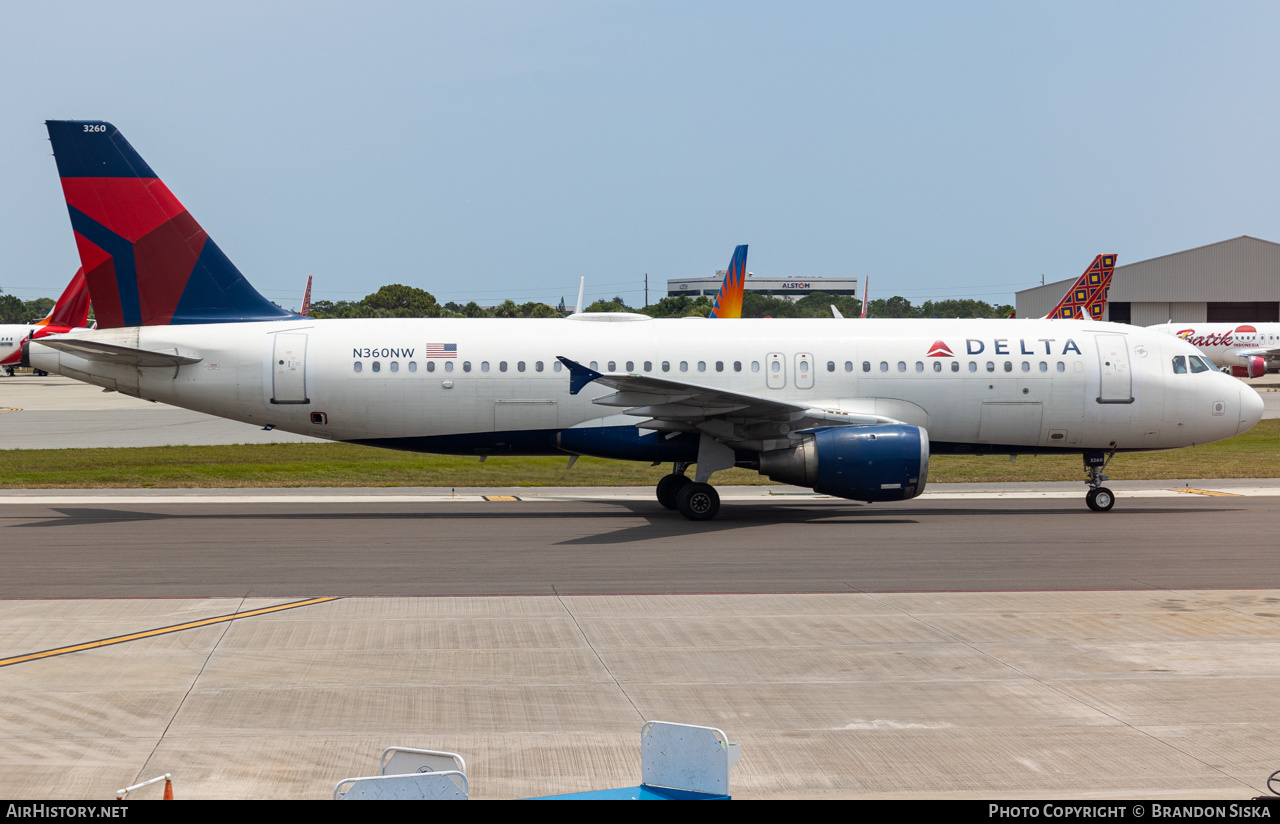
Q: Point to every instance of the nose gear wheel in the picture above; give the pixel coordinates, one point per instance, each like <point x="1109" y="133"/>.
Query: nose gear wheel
<point x="1099" y="498"/>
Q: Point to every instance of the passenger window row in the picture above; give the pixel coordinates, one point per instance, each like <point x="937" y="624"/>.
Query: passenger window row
<point x="955" y="366"/>
<point x="394" y="366"/>
<point x="1179" y="366"/>
<point x="520" y="366"/>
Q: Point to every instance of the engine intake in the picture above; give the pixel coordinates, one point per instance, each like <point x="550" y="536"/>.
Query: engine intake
<point x="861" y="463"/>
<point x="1255" y="367"/>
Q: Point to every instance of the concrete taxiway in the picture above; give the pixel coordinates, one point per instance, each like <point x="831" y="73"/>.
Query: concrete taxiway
<point x="53" y="412"/>
<point x="1154" y="694"/>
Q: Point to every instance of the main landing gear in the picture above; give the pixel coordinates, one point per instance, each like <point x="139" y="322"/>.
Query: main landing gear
<point x="1099" y="499"/>
<point x="695" y="501"/>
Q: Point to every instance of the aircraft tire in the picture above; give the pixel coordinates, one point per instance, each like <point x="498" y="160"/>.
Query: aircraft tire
<point x="669" y="487"/>
<point x="1100" y="499"/>
<point x="698" y="502"/>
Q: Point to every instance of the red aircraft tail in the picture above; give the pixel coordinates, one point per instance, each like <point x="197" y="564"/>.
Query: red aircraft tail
<point x="72" y="309"/>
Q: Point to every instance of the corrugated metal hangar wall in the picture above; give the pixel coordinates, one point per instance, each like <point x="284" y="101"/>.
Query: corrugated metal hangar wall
<point x="1236" y="280"/>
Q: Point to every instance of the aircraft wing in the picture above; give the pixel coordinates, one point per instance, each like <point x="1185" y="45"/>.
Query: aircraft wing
<point x="732" y="417"/>
<point x="1258" y="351"/>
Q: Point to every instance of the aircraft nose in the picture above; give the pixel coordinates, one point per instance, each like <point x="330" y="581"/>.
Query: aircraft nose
<point x="1250" y="408"/>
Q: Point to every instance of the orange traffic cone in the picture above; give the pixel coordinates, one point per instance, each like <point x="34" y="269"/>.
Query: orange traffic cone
<point x="168" y="789"/>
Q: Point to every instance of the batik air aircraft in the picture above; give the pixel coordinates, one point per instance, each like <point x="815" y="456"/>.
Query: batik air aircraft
<point x="306" y="300"/>
<point x="1243" y="349"/>
<point x="852" y="410"/>
<point x="1087" y="297"/>
<point x="71" y="312"/>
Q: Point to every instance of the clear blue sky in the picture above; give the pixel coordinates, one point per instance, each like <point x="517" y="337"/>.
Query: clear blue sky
<point x="485" y="150"/>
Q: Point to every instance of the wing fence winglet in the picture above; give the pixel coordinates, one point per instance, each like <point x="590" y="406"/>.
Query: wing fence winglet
<point x="579" y="375"/>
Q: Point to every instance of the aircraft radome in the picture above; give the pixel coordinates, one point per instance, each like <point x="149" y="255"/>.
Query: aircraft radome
<point x="851" y="409"/>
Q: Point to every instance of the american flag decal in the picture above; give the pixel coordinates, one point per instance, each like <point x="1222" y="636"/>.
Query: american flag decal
<point x="442" y="350"/>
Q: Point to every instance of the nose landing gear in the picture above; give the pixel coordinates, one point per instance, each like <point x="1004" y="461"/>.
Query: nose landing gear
<point x="1099" y="498"/>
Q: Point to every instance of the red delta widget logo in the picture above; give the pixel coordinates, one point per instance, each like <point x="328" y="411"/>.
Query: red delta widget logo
<point x="1000" y="346"/>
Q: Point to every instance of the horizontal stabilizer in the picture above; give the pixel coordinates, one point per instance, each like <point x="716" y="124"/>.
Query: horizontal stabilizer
<point x="93" y="350"/>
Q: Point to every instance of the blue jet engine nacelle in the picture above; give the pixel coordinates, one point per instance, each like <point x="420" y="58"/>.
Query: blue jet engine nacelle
<point x="861" y="463"/>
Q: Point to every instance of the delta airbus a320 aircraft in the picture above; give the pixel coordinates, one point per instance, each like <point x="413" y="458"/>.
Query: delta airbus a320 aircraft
<point x="847" y="409"/>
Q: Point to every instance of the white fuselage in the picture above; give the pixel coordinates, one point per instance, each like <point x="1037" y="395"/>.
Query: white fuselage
<point x="1007" y="385"/>
<point x="11" y="337"/>
<point x="1228" y="344"/>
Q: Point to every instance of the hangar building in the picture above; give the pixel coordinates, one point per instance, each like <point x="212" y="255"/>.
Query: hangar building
<point x="1233" y="281"/>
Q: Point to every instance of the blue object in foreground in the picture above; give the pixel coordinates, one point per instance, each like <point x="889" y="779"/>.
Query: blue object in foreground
<point x="678" y="762"/>
<point x="641" y="793"/>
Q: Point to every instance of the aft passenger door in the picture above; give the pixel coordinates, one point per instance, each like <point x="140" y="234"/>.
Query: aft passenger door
<point x="289" y="369"/>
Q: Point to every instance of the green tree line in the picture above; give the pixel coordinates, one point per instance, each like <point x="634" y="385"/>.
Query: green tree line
<point x="399" y="301"/>
<point x="15" y="310"/>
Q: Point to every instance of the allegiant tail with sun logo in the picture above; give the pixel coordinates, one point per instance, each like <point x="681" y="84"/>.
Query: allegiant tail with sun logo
<point x="850" y="409"/>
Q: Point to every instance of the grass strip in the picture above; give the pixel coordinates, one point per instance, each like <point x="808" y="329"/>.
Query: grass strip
<point x="1255" y="454"/>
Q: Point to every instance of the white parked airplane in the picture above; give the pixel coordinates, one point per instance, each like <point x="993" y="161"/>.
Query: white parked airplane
<point x="848" y="409"/>
<point x="69" y="313"/>
<point x="1242" y="348"/>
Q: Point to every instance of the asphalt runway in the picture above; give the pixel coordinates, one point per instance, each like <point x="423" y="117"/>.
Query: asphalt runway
<point x="88" y="549"/>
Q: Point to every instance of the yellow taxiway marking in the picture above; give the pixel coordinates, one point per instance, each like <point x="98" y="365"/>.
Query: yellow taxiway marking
<point x="1208" y="492"/>
<point x="4" y="409"/>
<point x="151" y="633"/>
<point x="501" y="498"/>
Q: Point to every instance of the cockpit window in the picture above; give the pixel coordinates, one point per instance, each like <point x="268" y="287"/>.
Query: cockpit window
<point x="1179" y="365"/>
<point x="1198" y="364"/>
